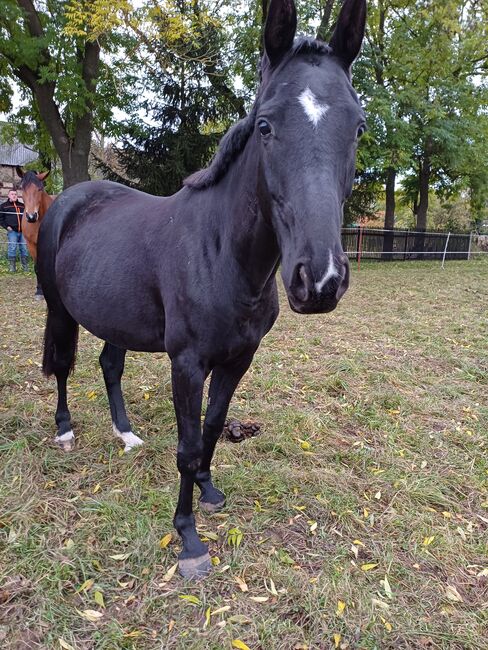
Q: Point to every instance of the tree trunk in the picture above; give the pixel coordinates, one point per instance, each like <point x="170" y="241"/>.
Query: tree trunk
<point x="389" y="214"/>
<point x="423" y="204"/>
<point x="424" y="182"/>
<point x="323" y="32"/>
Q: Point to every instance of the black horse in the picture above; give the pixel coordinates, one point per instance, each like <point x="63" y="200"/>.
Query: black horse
<point x="193" y="274"/>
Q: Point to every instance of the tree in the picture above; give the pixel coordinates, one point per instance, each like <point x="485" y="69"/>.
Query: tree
<point x="54" y="51"/>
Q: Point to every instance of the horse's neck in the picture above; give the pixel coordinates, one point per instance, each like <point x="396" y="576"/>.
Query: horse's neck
<point x="249" y="239"/>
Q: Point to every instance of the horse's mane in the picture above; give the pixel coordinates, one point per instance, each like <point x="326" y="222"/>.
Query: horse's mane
<point x="30" y="178"/>
<point x="235" y="139"/>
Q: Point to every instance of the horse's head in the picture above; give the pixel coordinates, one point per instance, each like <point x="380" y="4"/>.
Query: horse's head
<point x="32" y="186"/>
<point x="308" y="121"/>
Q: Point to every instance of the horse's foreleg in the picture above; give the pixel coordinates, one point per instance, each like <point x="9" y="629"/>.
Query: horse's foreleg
<point x="112" y="361"/>
<point x="222" y="386"/>
<point x="188" y="378"/>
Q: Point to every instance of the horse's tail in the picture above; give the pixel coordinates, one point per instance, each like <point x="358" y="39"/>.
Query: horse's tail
<point x="60" y="342"/>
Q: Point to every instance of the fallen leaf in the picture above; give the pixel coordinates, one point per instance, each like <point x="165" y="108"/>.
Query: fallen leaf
<point x="368" y="567"/>
<point x="271" y="588"/>
<point x="239" y="618"/>
<point x="86" y="586"/>
<point x="207" y="617"/>
<point x="120" y="556"/>
<point x="189" y="598"/>
<point x="163" y="543"/>
<point x="98" y="598"/>
<point x="337" y="640"/>
<point x="341" y="606"/>
<point x="220" y="610"/>
<point x="386" y="587"/>
<point x="259" y="599"/>
<point x="380" y="603"/>
<point x="215" y="560"/>
<point x="64" y="644"/>
<point x="237" y="643"/>
<point x="96" y="488"/>
<point x="388" y="626"/>
<point x="242" y="583"/>
<point x="453" y="594"/>
<point x="90" y="615"/>
<point x="428" y="540"/>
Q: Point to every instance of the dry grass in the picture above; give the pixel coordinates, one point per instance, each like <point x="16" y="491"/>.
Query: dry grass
<point x="389" y="393"/>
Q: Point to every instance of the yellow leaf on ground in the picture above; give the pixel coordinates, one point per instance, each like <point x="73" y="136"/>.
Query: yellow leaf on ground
<point x="337" y="640"/>
<point x="341" y="606"/>
<point x="259" y="599"/>
<point x="428" y="540"/>
<point x="237" y="643"/>
<point x="388" y="626"/>
<point x="189" y="598"/>
<point x="215" y="560"/>
<point x="163" y="543"/>
<point x="98" y="598"/>
<point x="305" y="445"/>
<point x="368" y="567"/>
<point x="86" y="586"/>
<point x="358" y="542"/>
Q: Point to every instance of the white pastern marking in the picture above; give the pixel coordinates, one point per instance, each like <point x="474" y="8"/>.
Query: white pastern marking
<point x="69" y="435"/>
<point x="128" y="438"/>
<point x="331" y="273"/>
<point x="313" y="110"/>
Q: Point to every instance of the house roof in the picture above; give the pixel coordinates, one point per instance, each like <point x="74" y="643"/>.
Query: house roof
<point x="16" y="154"/>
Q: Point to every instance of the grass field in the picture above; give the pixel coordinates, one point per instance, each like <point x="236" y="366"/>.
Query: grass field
<point x="358" y="519"/>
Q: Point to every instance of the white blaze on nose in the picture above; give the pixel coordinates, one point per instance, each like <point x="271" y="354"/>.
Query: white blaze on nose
<point x="330" y="273"/>
<point x="313" y="110"/>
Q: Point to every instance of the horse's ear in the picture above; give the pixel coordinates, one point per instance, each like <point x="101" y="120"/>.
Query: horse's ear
<point x="279" y="32"/>
<point x="20" y="171"/>
<point x="43" y="175"/>
<point x="349" y="31"/>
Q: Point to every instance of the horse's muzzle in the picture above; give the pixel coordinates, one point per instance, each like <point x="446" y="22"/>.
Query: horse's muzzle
<point x="309" y="295"/>
<point x="32" y="217"/>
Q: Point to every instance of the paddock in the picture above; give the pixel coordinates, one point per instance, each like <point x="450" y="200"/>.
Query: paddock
<point x="356" y="519"/>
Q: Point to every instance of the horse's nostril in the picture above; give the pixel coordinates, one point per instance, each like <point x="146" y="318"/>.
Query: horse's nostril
<point x="301" y="285"/>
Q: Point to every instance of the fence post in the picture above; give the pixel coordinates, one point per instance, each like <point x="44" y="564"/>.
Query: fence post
<point x="470" y="243"/>
<point x="405" y="246"/>
<point x="445" y="249"/>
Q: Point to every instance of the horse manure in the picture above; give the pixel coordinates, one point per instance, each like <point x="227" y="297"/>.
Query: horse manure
<point x="237" y="431"/>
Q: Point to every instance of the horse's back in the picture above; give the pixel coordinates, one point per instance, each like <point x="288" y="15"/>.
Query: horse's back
<point x="93" y="245"/>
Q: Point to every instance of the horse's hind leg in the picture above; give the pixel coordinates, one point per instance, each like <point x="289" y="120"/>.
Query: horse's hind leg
<point x="223" y="383"/>
<point x="112" y="361"/>
<point x="60" y="342"/>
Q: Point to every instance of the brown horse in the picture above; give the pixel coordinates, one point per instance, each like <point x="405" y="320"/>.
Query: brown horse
<point x="36" y="203"/>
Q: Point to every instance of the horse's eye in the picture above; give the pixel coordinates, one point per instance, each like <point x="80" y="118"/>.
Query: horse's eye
<point x="264" y="127"/>
<point x="361" y="130"/>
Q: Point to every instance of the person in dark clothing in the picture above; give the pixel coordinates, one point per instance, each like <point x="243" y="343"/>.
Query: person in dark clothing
<point x="11" y="213"/>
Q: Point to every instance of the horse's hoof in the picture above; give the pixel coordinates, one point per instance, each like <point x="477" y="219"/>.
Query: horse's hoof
<point x="211" y="508"/>
<point x="66" y="441"/>
<point x="195" y="568"/>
